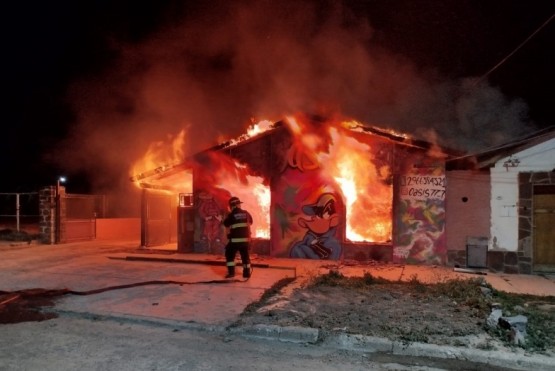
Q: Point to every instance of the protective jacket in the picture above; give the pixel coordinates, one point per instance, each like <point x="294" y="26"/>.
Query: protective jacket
<point x="238" y="221"/>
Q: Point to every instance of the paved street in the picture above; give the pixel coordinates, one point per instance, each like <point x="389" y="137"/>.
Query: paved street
<point x="184" y="292"/>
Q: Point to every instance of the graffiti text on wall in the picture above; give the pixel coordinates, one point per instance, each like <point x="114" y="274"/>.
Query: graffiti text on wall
<point x="422" y="187"/>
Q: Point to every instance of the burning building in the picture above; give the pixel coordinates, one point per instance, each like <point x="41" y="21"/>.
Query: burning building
<point x="317" y="189"/>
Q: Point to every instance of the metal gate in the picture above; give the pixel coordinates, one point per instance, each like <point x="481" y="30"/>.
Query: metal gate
<point x="79" y="222"/>
<point x="158" y="219"/>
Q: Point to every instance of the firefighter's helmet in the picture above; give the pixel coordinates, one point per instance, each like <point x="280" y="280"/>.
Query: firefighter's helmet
<point x="234" y="201"/>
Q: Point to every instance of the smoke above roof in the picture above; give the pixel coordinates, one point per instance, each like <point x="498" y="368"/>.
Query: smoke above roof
<point x="215" y="68"/>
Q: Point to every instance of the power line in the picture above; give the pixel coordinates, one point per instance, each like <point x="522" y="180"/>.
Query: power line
<point x="514" y="51"/>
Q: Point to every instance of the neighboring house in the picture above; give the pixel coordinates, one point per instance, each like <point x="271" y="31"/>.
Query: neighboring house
<point x="506" y="197"/>
<point x="325" y="190"/>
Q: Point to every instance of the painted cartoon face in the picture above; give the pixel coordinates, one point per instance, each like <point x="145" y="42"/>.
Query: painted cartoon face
<point x="323" y="215"/>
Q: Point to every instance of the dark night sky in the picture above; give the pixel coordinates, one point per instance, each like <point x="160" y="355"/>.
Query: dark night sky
<point x="69" y="68"/>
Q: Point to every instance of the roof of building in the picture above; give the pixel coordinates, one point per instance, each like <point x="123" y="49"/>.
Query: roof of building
<point x="148" y="178"/>
<point x="487" y="158"/>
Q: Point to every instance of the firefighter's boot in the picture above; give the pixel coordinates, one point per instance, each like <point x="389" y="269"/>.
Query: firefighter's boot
<point x="246" y="270"/>
<point x="230" y="271"/>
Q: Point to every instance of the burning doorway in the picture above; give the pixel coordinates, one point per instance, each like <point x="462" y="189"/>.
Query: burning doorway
<point x="217" y="177"/>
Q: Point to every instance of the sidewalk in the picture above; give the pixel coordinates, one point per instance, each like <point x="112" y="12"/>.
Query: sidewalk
<point x="185" y="290"/>
<point x="543" y="285"/>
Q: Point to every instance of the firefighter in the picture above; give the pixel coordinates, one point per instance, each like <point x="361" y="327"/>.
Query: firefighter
<point x="238" y="221"/>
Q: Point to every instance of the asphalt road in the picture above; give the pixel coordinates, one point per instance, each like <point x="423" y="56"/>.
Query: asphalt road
<point x="67" y="344"/>
<point x="181" y="324"/>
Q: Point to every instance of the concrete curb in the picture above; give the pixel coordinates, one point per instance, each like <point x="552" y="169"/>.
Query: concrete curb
<point x="292" y="334"/>
<point x="141" y="320"/>
<point x="351" y="342"/>
<point x="486" y="357"/>
<point x="371" y="344"/>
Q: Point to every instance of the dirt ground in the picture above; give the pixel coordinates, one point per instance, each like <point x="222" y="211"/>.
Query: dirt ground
<point x="394" y="311"/>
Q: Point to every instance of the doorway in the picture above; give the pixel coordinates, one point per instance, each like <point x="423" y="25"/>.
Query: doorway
<point x="543" y="231"/>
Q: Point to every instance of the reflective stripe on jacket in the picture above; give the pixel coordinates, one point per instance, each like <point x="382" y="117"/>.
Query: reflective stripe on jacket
<point x="238" y="221"/>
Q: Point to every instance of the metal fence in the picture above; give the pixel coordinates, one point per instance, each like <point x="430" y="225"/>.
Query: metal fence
<point x="19" y="210"/>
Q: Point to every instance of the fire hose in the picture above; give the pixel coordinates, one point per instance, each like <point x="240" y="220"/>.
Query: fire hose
<point x="60" y="292"/>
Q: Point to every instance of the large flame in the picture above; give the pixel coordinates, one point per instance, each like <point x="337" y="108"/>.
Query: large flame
<point x="159" y="158"/>
<point x="368" y="196"/>
<point x="256" y="200"/>
<point x="162" y="168"/>
<point x="251" y="190"/>
<point x="366" y="188"/>
<point x="236" y="178"/>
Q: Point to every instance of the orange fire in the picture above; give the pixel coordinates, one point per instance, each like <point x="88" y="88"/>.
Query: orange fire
<point x="251" y="190"/>
<point x="159" y="159"/>
<point x="331" y="148"/>
<point x="368" y="198"/>
<point x="253" y="130"/>
<point x="256" y="199"/>
<point x="235" y="178"/>
<point x="162" y="168"/>
<point x="366" y="190"/>
<point x="259" y="128"/>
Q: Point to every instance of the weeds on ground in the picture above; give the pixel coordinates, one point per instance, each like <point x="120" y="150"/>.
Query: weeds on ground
<point x="465" y="292"/>
<point x="336" y="278"/>
<point x="474" y="294"/>
<point x="13" y="235"/>
<point x="539" y="310"/>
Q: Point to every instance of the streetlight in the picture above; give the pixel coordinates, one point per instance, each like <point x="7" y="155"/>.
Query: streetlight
<point x="61" y="179"/>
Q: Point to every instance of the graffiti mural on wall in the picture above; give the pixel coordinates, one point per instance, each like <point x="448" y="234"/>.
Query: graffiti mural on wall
<point x="218" y="177"/>
<point x="211" y="215"/>
<point x="420" y="219"/>
<point x="321" y="222"/>
<point x="349" y="173"/>
<point x="209" y="230"/>
<point x="307" y="210"/>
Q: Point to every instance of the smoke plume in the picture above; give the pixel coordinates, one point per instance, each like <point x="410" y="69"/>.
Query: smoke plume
<point x="213" y="69"/>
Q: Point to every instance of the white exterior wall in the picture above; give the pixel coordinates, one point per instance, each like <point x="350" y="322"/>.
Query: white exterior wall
<point x="504" y="192"/>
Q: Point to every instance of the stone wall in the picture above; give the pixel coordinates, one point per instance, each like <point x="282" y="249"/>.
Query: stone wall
<point x="52" y="215"/>
<point x="47" y="215"/>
